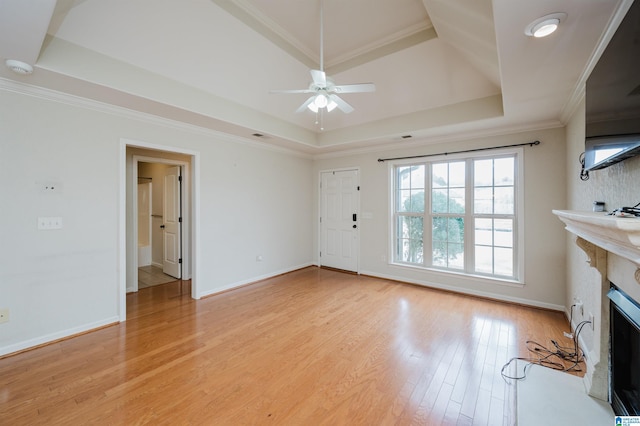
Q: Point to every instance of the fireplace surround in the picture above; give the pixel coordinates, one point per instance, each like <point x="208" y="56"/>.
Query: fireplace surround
<point x="612" y="247"/>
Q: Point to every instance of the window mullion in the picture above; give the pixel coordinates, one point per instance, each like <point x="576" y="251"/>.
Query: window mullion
<point x="427" y="221"/>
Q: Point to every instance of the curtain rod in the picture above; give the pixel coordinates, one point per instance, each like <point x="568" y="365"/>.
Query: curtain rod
<point x="382" y="160"/>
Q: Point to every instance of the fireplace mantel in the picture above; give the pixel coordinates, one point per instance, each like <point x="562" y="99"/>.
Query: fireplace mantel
<point x="619" y="235"/>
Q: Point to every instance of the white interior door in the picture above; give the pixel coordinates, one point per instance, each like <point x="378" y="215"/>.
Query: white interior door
<point x="339" y="220"/>
<point x="171" y="238"/>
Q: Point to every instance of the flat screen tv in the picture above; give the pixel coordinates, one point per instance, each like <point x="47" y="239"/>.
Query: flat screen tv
<point x="613" y="98"/>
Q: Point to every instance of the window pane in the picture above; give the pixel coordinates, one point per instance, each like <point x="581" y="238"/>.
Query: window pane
<point x="456" y="256"/>
<point x="439" y="229"/>
<point x="417" y="177"/>
<point x="503" y="261"/>
<point x="404" y="200"/>
<point x="440" y="201"/>
<point x="440" y="175"/>
<point x="439" y="254"/>
<point x="483" y="173"/>
<point x="483" y="200"/>
<point x="503" y="233"/>
<point x="456" y="200"/>
<point x="484" y="259"/>
<point x="484" y="232"/>
<point x="456" y="230"/>
<point x="504" y="171"/>
<point x="403" y="177"/>
<point x="417" y="201"/>
<point x="410" y="239"/>
<point x="457" y="174"/>
<point x="503" y="200"/>
<point x="403" y="227"/>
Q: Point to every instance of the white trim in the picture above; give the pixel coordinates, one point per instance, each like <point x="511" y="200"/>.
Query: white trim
<point x="393" y="145"/>
<point x="91" y="104"/>
<point x="49" y="338"/>
<point x="252" y="280"/>
<point x="485" y="294"/>
<point x="193" y="174"/>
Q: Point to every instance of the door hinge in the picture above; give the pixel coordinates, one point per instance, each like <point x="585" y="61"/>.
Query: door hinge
<point x="320" y="220"/>
<point x="179" y="178"/>
<point x="358" y="187"/>
<point x="320" y="254"/>
<point x="180" y="219"/>
<point x="179" y="260"/>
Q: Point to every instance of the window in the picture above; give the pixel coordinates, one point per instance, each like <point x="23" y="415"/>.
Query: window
<point x="458" y="215"/>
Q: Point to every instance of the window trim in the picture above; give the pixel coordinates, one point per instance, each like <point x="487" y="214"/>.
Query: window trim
<point x="519" y="213"/>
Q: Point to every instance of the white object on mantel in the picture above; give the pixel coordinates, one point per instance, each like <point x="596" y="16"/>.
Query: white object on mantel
<point x="619" y="235"/>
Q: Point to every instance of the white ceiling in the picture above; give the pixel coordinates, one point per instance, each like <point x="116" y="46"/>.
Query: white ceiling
<point x="442" y="68"/>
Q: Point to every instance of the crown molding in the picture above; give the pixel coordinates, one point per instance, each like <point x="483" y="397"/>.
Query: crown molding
<point x="50" y="95"/>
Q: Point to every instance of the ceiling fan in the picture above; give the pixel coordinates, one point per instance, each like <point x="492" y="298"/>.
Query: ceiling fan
<point x="324" y="90"/>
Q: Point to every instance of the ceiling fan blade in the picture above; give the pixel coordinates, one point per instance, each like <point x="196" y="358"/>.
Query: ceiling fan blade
<point x="319" y="78"/>
<point x="305" y="104"/>
<point x="292" y="91"/>
<point x="344" y="107"/>
<point x="355" y="88"/>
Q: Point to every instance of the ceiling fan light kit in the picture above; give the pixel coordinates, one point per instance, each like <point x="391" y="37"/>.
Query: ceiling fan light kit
<point x="324" y="90"/>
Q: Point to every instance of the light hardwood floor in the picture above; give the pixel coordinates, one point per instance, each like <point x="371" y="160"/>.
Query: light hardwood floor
<point x="311" y="347"/>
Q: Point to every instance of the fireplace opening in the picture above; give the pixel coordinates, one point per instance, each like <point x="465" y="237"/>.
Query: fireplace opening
<point x="624" y="354"/>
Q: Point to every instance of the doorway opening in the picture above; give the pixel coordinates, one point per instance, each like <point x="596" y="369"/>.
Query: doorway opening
<point x="169" y="175"/>
<point x="159" y="220"/>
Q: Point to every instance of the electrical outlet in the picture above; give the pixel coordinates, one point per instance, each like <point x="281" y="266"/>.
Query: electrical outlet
<point x="4" y="315"/>
<point x="591" y="324"/>
<point x="579" y="306"/>
<point x="48" y="223"/>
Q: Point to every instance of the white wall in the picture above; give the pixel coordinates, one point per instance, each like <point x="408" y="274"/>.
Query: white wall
<point x="253" y="201"/>
<point x="544" y="242"/>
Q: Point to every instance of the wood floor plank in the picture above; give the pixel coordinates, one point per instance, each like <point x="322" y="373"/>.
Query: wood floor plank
<point x="310" y="347"/>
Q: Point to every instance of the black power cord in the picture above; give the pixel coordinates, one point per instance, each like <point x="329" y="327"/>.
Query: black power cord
<point x="554" y="359"/>
<point x="584" y="174"/>
<point x="631" y="211"/>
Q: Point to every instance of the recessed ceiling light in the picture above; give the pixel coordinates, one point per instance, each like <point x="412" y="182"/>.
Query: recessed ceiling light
<point x="545" y="25"/>
<point x="19" y="67"/>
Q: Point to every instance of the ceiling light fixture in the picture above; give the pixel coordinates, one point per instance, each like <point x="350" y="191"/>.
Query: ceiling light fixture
<point x="546" y="25"/>
<point x="19" y="67"/>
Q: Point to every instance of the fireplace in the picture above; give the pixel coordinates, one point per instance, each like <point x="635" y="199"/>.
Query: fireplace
<point x="624" y="354"/>
<point x="612" y="286"/>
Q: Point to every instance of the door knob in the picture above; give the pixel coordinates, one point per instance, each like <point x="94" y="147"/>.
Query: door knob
<point x="161" y="226"/>
<point x="355" y="226"/>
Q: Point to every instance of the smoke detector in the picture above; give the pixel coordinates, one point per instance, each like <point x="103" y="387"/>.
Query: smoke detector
<point x="19" y="67"/>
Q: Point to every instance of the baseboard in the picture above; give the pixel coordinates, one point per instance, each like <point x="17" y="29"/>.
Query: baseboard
<point x="53" y="337"/>
<point x="252" y="280"/>
<point x="470" y="292"/>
